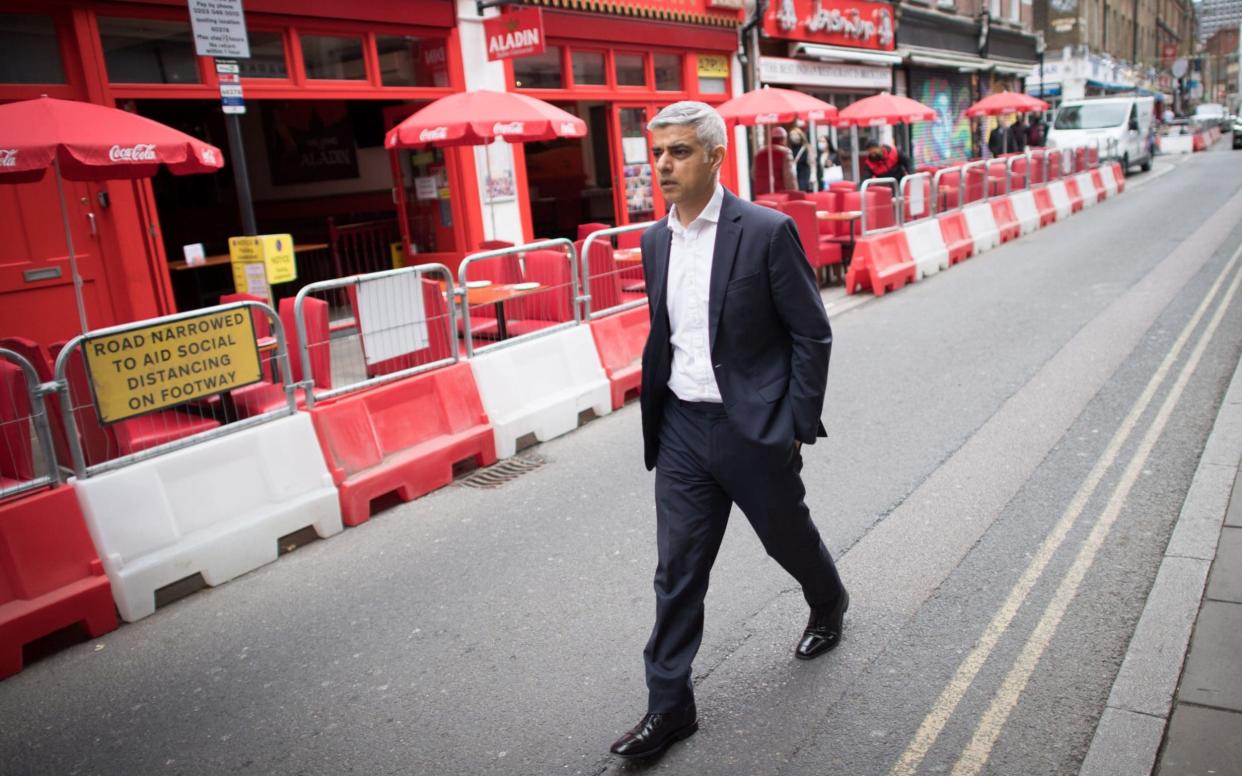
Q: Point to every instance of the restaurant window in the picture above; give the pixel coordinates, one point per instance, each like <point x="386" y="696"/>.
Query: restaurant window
<point x="668" y="72"/>
<point x="148" y="51"/>
<point x="267" y="56"/>
<point x="405" y="60"/>
<point x="589" y="68"/>
<point x="541" y="71"/>
<point x="713" y="73"/>
<point x="333" y="58"/>
<point x="31" y="54"/>
<point x="630" y="70"/>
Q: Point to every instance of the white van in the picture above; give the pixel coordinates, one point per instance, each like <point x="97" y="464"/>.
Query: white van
<point x="1125" y="120"/>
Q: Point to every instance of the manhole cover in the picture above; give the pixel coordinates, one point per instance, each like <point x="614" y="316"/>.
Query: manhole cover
<point x="503" y="472"/>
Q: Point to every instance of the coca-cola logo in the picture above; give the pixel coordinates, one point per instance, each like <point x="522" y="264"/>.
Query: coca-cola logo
<point x="767" y="118"/>
<point x="430" y="135"/>
<point x="141" y="152"/>
<point x="511" y="128"/>
<point x="568" y="128"/>
<point x="208" y="156"/>
<point x="8" y="157"/>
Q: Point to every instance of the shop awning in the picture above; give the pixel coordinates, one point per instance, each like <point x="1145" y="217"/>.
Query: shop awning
<point x="843" y="54"/>
<point x="960" y="61"/>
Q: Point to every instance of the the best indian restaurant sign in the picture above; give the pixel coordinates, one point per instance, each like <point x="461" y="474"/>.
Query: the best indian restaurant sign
<point x="832" y="22"/>
<point x="517" y="33"/>
<point x="143" y="370"/>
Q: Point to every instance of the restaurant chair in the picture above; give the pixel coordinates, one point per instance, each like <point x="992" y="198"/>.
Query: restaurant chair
<point x="585" y="230"/>
<point x="552" y="304"/>
<point x="818" y="254"/>
<point x="17" y="463"/>
<point x="605" y="280"/>
<point x="38" y="357"/>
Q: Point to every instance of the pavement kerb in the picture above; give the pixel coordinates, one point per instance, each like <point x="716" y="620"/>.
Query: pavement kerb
<point x="1131" y="730"/>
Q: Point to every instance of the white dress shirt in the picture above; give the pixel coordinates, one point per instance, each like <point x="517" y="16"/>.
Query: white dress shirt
<point x="689" y="280"/>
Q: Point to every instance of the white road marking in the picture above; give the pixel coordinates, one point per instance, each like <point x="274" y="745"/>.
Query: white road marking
<point x="955" y="690"/>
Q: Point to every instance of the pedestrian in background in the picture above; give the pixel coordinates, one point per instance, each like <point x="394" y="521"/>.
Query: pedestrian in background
<point x="1018" y="134"/>
<point x="998" y="140"/>
<point x="800" y="146"/>
<point x="734" y="372"/>
<point x="1035" y="132"/>
<point x="884" y="161"/>
<point x="773" y="166"/>
<point x="829" y="163"/>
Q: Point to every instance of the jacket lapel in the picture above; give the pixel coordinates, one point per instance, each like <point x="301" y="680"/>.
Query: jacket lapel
<point x="728" y="233"/>
<point x="663" y="246"/>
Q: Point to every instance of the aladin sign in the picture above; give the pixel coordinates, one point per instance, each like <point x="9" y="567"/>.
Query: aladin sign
<point x="517" y="33"/>
<point x="832" y="22"/>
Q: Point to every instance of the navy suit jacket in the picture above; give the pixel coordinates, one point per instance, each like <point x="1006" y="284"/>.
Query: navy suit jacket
<point x="768" y="330"/>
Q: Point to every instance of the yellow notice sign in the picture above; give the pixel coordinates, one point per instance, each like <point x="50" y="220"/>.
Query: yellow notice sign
<point x="713" y="66"/>
<point x="154" y="367"/>
<point x="273" y="251"/>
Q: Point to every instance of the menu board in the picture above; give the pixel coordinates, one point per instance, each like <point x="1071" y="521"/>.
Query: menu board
<point x="638" y="191"/>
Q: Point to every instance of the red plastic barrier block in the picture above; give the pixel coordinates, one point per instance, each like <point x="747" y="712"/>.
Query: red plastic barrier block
<point x="1006" y="220"/>
<point x="620" y="339"/>
<point x="1075" y="194"/>
<point x="1101" y="190"/>
<point x="957" y="237"/>
<point x="50" y="574"/>
<point x="402" y="436"/>
<point x="1047" y="210"/>
<point x="881" y="263"/>
<point x="1119" y="175"/>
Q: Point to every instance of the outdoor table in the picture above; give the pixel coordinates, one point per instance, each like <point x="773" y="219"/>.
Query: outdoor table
<point x="224" y="258"/>
<point x="628" y="256"/>
<point x="851" y="216"/>
<point x="497" y="294"/>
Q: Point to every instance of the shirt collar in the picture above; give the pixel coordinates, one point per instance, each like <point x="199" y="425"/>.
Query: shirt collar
<point x="711" y="212"/>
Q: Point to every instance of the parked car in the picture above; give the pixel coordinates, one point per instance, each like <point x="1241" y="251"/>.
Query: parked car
<point x="1123" y="121"/>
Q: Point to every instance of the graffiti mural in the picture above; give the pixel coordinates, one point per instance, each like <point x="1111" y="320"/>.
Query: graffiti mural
<point x="948" y="137"/>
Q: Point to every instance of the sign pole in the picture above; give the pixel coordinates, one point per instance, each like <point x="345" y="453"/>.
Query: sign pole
<point x="241" y="176"/>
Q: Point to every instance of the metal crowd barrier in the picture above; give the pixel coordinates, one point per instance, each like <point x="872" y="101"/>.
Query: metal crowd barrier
<point x="988" y="165"/>
<point x="187" y="384"/>
<point x="939" y="206"/>
<point x="862" y="203"/>
<point x="524" y="312"/>
<point x="608" y="289"/>
<point x="1009" y="172"/>
<point x="928" y="209"/>
<point x="363" y="330"/>
<point x="985" y="190"/>
<point x="27" y="456"/>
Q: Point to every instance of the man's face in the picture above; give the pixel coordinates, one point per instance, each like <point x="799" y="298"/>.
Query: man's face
<point x="686" y="172"/>
<point x="875" y="153"/>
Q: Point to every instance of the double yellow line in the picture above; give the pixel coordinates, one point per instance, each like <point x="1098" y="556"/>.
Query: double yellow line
<point x="975" y="756"/>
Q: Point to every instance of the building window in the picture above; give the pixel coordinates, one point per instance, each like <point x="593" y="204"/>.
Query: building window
<point x="541" y="71"/>
<point x="994" y="8"/>
<point x="1015" y="10"/>
<point x="31" y="54"/>
<point x="630" y="69"/>
<point x="589" y="68"/>
<point x="410" y="61"/>
<point x="148" y="51"/>
<point x="668" y="72"/>
<point x="333" y="58"/>
<point x="267" y="56"/>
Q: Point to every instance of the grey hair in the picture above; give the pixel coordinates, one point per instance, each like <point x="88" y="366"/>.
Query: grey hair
<point x="709" y="127"/>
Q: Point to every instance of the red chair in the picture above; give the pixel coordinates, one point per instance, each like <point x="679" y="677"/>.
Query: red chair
<point x="16" y="451"/>
<point x="605" y="285"/>
<point x="818" y="255"/>
<point x="263" y="397"/>
<point x="630" y="239"/>
<point x="843" y="186"/>
<point x="552" y="304"/>
<point x="584" y="230"/>
<point x="769" y="203"/>
<point x="38" y="357"/>
<point x="880" y="208"/>
<point x="494" y="245"/>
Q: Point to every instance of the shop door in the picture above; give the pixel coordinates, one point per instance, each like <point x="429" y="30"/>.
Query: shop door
<point x="425" y="179"/>
<point x="635" y="192"/>
<point x="36" y="283"/>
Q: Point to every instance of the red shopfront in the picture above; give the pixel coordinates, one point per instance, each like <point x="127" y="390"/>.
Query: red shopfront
<point x="615" y="69"/>
<point x="324" y="82"/>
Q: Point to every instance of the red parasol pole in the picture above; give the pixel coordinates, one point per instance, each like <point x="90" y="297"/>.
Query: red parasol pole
<point x="73" y="257"/>
<point x="771" y="163"/>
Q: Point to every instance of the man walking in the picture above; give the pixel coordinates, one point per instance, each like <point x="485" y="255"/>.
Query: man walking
<point x="734" y="373"/>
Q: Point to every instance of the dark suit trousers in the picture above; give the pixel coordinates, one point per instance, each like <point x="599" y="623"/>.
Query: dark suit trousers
<point x="704" y="467"/>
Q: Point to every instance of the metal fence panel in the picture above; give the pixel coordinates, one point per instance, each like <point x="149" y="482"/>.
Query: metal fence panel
<point x="154" y="386"/>
<point x="27" y="455"/>
<point x="363" y="330"/>
<point x="612" y="270"/>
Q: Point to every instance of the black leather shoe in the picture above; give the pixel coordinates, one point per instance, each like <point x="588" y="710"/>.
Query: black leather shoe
<point x="657" y="732"/>
<point x="823" y="631"/>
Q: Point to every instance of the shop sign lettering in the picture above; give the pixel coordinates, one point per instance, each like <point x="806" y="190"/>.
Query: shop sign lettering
<point x="517" y="33"/>
<point x="142" y="152"/>
<point x="834" y="22"/>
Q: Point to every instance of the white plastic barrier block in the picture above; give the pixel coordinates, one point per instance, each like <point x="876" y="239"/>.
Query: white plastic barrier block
<point x="1177" y="144"/>
<point x="927" y="247"/>
<point x="1107" y="174"/>
<point x="1086" y="187"/>
<point x="1060" y="199"/>
<point x="216" y="508"/>
<point x="982" y="223"/>
<point x="1024" y="208"/>
<point x="540" y="386"/>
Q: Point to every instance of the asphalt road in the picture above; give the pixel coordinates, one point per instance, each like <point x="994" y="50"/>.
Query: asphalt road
<point x="1009" y="445"/>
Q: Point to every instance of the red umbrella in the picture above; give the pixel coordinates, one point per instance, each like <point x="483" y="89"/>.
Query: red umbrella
<point x="775" y="106"/>
<point x="82" y="141"/>
<point x="883" y="109"/>
<point x="1006" y="102"/>
<point x="477" y="118"/>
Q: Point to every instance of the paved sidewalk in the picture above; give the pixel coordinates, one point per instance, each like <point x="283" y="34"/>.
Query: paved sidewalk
<point x="1176" y="705"/>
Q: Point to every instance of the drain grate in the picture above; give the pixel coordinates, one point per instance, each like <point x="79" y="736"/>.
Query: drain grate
<point x="505" y="471"/>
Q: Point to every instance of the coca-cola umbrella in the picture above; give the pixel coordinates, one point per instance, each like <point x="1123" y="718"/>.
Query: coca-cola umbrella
<point x="880" y="110"/>
<point x="479" y="118"/>
<point x="1006" y="102"/>
<point x="766" y="106"/>
<point x="82" y="141"/>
